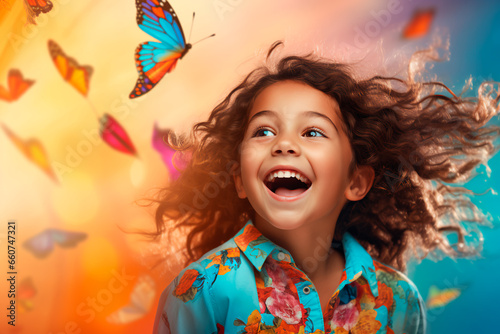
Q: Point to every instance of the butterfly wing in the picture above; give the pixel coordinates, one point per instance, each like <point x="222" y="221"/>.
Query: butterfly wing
<point x="67" y="238"/>
<point x="5" y="94"/>
<point x="16" y="84"/>
<point x="174" y="160"/>
<point x="25" y="292"/>
<point x="16" y="140"/>
<point x="35" y="7"/>
<point x="39" y="6"/>
<point x="420" y="24"/>
<point x="440" y="298"/>
<point x="76" y="75"/>
<point x="25" y="306"/>
<point x="33" y="150"/>
<point x="152" y="59"/>
<point x="115" y="135"/>
<point x="41" y="244"/>
<point x="26" y="289"/>
<point x="141" y="300"/>
<point x="36" y="154"/>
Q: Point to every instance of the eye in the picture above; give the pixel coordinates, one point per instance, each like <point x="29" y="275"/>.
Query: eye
<point x="314" y="133"/>
<point x="261" y="131"/>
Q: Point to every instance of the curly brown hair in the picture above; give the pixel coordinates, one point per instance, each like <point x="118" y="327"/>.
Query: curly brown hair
<point x="415" y="139"/>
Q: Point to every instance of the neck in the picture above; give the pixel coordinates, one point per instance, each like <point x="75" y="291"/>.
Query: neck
<point x="309" y="246"/>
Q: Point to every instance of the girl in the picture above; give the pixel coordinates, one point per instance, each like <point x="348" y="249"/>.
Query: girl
<point x="307" y="190"/>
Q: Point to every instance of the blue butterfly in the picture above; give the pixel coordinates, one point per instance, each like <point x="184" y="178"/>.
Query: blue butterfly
<point x="43" y="243"/>
<point x="153" y="59"/>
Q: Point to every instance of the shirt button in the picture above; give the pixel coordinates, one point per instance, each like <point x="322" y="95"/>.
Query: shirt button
<point x="281" y="256"/>
<point x="306" y="290"/>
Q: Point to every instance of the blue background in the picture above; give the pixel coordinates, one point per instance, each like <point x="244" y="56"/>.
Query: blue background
<point x="474" y="29"/>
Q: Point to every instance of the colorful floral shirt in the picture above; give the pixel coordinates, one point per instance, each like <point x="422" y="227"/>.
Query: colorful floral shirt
<point x="251" y="285"/>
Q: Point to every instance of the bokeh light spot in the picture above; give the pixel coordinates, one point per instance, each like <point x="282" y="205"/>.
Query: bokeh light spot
<point x="137" y="173"/>
<point x="100" y="258"/>
<point x="76" y="201"/>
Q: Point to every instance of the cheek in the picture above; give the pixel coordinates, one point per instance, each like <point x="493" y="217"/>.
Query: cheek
<point x="250" y="160"/>
<point x="331" y="164"/>
<point x="250" y="152"/>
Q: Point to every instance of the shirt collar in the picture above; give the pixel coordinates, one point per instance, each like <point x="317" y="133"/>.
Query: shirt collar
<point x="257" y="248"/>
<point x="358" y="262"/>
<point x="254" y="245"/>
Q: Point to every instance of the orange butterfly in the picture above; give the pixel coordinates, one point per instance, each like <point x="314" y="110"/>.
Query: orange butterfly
<point x="35" y="7"/>
<point x="26" y="291"/>
<point x="78" y="76"/>
<point x="420" y="24"/>
<point x="439" y="298"/>
<point x="33" y="150"/>
<point x="16" y="84"/>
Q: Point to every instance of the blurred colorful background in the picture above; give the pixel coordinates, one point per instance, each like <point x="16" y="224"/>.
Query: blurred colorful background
<point x="72" y="196"/>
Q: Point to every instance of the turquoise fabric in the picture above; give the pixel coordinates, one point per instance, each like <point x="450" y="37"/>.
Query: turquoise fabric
<point x="251" y="285"/>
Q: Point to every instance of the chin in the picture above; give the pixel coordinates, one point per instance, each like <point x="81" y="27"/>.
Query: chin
<point x="287" y="221"/>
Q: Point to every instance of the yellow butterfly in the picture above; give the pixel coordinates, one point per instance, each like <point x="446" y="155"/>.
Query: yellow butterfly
<point x="33" y="150"/>
<point x="78" y="76"/>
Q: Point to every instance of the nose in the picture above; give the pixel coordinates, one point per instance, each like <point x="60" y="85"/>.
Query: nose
<point x="285" y="145"/>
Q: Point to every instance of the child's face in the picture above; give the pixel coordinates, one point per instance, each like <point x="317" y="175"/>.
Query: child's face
<point x="295" y="128"/>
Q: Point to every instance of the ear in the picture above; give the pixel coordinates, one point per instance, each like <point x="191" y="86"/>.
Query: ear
<point x="236" y="173"/>
<point x="360" y="183"/>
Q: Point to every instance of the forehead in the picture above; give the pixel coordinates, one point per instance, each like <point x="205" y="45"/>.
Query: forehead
<point x="293" y="97"/>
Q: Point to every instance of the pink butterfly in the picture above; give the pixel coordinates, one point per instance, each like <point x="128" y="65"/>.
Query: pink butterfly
<point x="175" y="160"/>
<point x="115" y="135"/>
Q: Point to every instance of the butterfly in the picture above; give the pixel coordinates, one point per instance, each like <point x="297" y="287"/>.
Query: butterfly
<point x="25" y="292"/>
<point x="42" y="244"/>
<point x="33" y="150"/>
<point x="439" y="298"/>
<point x="39" y="6"/>
<point x="141" y="299"/>
<point x="152" y="59"/>
<point x="16" y="86"/>
<point x="35" y="7"/>
<point x="420" y="24"/>
<point x="78" y="76"/>
<point x="174" y="160"/>
<point x="115" y="135"/>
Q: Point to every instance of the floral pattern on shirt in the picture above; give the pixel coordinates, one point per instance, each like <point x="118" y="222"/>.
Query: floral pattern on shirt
<point x="251" y="285"/>
<point x="189" y="284"/>
<point x="223" y="261"/>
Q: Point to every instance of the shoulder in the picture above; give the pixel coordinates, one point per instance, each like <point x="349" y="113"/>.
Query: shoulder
<point x="212" y="280"/>
<point x="401" y="285"/>
<point x="405" y="299"/>
<point x="188" y="304"/>
<point x="204" y="294"/>
<point x="221" y="260"/>
<point x="217" y="256"/>
<point x="229" y="247"/>
<point x="203" y="273"/>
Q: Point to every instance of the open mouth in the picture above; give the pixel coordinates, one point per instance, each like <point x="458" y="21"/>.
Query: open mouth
<point x="287" y="183"/>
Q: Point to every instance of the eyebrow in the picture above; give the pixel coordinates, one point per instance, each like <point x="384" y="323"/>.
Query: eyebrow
<point x="309" y="113"/>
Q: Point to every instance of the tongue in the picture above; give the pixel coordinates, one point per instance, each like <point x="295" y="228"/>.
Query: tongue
<point x="288" y="192"/>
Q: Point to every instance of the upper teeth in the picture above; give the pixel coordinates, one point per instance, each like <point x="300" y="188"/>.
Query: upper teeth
<point x="287" y="174"/>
